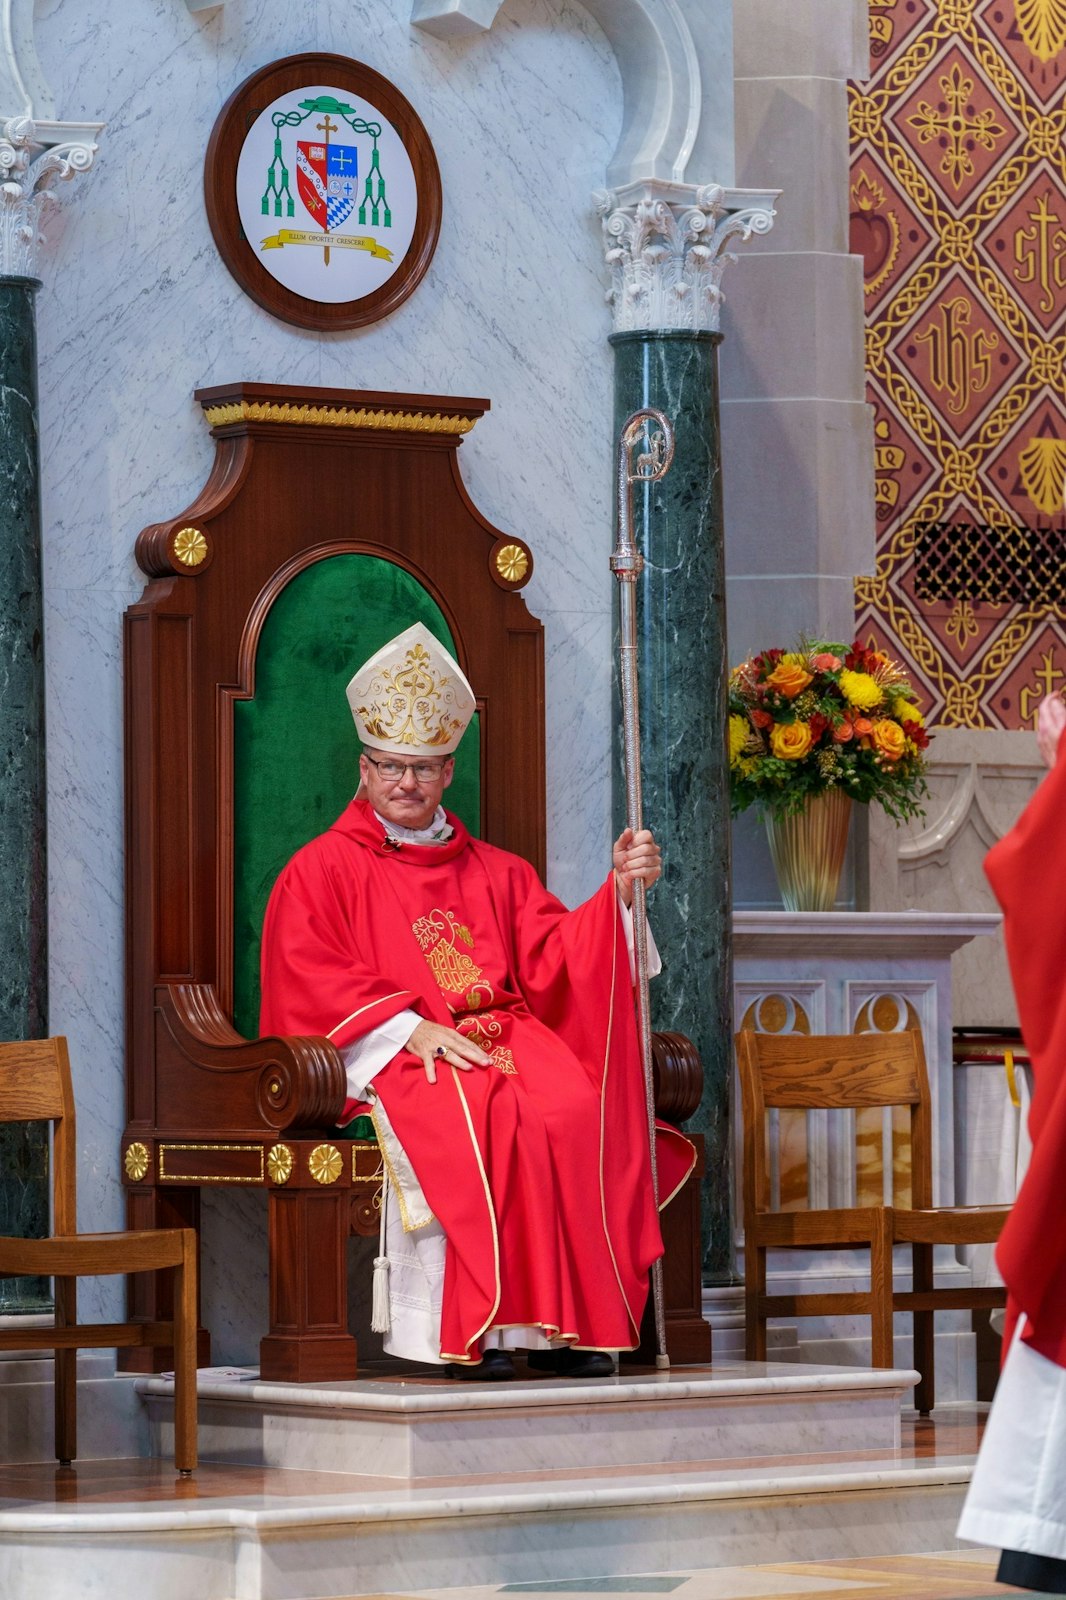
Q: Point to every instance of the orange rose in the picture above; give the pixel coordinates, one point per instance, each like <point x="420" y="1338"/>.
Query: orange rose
<point x="843" y="732"/>
<point x="826" y="663"/>
<point x="862" y="725"/>
<point x="889" y="739"/>
<point x="790" y="741"/>
<point x="789" y="678"/>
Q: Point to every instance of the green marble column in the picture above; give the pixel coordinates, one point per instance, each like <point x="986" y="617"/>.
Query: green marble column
<point x="24" y="1200"/>
<point x="681" y="615"/>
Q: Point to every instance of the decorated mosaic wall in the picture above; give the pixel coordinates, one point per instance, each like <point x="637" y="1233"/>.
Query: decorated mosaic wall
<point x="958" y="208"/>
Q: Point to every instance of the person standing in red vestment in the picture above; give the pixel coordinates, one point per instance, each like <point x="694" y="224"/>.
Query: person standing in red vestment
<point x="1017" y="1498"/>
<point x="491" y="1034"/>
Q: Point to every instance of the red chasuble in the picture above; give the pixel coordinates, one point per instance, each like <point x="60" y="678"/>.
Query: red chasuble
<point x="536" y="1167"/>
<point x="1027" y="869"/>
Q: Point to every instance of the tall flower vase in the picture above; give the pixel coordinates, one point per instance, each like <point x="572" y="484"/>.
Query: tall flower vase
<point x="808" y="850"/>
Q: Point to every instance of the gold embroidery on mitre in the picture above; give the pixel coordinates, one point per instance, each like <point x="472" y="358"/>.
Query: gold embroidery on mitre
<point x="412" y="703"/>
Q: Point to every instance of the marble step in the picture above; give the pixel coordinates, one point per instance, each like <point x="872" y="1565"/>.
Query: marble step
<point x="425" y="1428"/>
<point x="274" y="1545"/>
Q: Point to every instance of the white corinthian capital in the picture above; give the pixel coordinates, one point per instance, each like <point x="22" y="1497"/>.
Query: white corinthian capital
<point x="34" y="156"/>
<point x="666" y="250"/>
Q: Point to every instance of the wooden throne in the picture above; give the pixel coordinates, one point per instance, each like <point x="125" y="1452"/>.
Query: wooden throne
<point x="330" y="520"/>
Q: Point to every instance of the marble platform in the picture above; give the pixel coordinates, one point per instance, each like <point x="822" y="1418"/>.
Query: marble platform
<point x="273" y="1542"/>
<point x="426" y="1427"/>
<point x="388" y="1485"/>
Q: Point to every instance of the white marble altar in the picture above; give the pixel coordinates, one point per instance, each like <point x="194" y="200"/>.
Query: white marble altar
<point x="854" y="972"/>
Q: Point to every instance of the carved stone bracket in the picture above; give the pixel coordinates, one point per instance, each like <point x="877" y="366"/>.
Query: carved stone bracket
<point x="666" y="249"/>
<point x="33" y="156"/>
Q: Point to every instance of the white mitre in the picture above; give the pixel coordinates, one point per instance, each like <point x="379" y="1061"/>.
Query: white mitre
<point x="411" y="697"/>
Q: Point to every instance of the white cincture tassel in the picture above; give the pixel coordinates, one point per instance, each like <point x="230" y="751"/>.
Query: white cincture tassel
<point x="381" y="1313"/>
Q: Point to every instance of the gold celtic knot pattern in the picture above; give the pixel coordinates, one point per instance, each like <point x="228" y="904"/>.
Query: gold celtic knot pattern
<point x="958" y="209"/>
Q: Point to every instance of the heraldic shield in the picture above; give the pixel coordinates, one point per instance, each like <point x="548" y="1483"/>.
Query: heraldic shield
<point x="326" y="176"/>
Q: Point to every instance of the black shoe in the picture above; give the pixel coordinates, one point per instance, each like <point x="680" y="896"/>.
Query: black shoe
<point x="567" y="1363"/>
<point x="495" y="1366"/>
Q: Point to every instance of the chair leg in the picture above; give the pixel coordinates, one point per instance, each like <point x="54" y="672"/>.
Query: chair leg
<point x="754" y="1290"/>
<point x="881" y="1293"/>
<point x="925" y="1393"/>
<point x="185" y="1358"/>
<point x="66" y="1374"/>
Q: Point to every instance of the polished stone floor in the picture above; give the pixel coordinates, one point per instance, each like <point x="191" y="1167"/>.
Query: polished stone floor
<point x="953" y="1575"/>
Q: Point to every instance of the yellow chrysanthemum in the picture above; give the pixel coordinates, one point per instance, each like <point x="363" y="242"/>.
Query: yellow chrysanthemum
<point x="738" y="734"/>
<point x="860" y="690"/>
<point x="907" y="711"/>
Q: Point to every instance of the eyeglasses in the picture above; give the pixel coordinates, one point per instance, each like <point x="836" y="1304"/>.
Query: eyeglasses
<point x="393" y="771"/>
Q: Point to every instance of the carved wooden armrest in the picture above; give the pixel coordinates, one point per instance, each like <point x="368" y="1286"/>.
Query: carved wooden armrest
<point x="677" y="1072"/>
<point x="238" y="1083"/>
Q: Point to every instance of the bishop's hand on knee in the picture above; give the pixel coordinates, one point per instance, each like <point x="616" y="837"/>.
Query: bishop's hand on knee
<point x="434" y="1043"/>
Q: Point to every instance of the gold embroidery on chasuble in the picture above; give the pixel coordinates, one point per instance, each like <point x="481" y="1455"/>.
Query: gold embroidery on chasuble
<point x="446" y="942"/>
<point x="483" y="1032"/>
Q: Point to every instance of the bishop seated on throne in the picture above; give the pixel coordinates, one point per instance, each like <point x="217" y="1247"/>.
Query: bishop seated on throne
<point x="490" y="1034"/>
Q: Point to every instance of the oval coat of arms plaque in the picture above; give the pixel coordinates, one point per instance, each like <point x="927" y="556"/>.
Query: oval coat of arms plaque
<point x="322" y="191"/>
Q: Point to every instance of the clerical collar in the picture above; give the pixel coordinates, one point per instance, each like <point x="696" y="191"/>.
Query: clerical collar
<point x="439" y="831"/>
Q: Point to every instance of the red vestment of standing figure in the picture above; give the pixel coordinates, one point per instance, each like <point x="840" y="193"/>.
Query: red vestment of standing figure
<point x="1027" y="870"/>
<point x="536" y="1167"/>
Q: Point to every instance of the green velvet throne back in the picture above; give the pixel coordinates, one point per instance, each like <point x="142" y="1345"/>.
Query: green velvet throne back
<point x="296" y="750"/>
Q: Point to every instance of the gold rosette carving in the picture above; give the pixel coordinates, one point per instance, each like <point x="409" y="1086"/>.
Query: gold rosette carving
<point x="512" y="562"/>
<point x="280" y="1163"/>
<point x="135" y="1161"/>
<point x="324" y="1163"/>
<point x="189" y="547"/>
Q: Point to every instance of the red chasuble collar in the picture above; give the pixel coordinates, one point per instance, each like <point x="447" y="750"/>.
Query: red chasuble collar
<point x="361" y="822"/>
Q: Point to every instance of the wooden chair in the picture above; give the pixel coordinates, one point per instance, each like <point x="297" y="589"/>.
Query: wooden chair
<point x="331" y="519"/>
<point x="803" y="1073"/>
<point x="35" y="1087"/>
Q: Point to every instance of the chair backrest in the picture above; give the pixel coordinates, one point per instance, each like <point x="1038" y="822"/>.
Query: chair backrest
<point x="35" y="1087"/>
<point x="295" y="748"/>
<point x="879" y="1073"/>
<point x="331" y="521"/>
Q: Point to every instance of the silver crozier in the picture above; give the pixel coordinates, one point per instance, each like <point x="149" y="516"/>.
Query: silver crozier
<point x="627" y="563"/>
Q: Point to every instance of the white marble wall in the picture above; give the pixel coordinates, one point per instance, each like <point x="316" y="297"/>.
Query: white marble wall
<point x="137" y="310"/>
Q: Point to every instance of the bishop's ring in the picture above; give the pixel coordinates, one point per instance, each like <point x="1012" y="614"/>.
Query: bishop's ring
<point x="441" y="1050"/>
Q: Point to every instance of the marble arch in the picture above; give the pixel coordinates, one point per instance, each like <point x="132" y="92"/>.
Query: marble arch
<point x="661" y="47"/>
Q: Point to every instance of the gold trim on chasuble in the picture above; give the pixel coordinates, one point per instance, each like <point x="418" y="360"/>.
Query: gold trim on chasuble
<point x="634" y="1324"/>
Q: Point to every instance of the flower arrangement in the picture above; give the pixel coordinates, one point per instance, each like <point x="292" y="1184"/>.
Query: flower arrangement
<point x="822" y="717"/>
